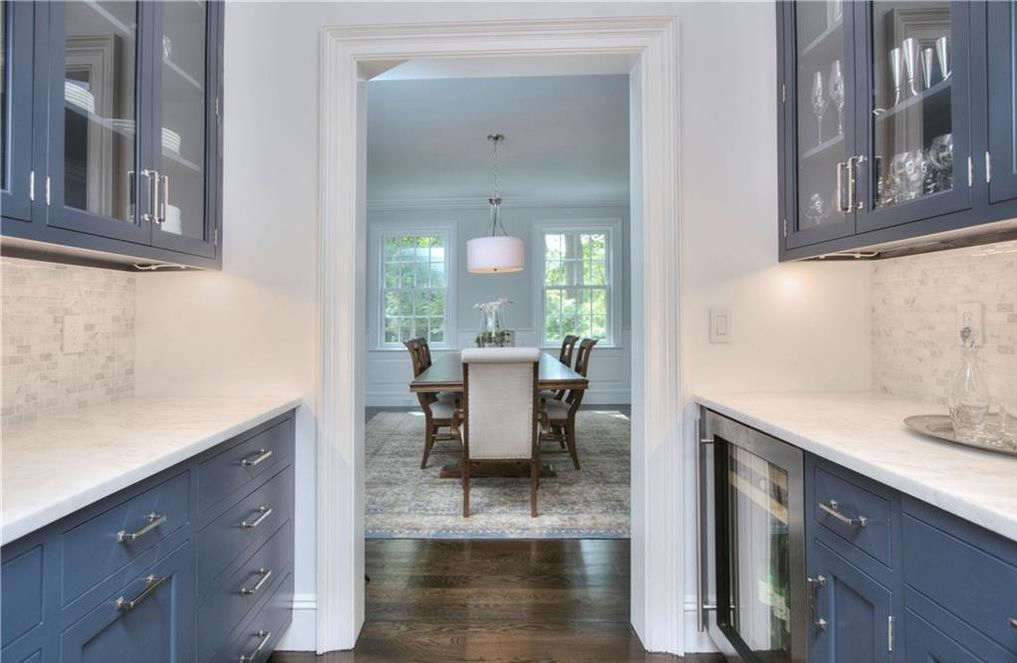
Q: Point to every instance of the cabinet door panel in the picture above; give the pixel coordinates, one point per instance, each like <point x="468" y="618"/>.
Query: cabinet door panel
<point x="184" y="94"/>
<point x="819" y="121"/>
<point x="932" y="636"/>
<point x="1002" y="49"/>
<point x="17" y="31"/>
<point x="159" y="628"/>
<point x="97" y="113"/>
<point x="916" y="115"/>
<point x="855" y="608"/>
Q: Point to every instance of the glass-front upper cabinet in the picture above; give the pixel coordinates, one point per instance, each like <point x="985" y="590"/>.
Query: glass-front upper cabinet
<point x="1002" y="156"/>
<point x="16" y="46"/>
<point x="183" y="98"/>
<point x="917" y="133"/>
<point x="97" y="181"/>
<point x="821" y="136"/>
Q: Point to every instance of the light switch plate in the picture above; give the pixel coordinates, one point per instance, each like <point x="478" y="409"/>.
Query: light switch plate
<point x="969" y="314"/>
<point x="720" y="325"/>
<point x="73" y="340"/>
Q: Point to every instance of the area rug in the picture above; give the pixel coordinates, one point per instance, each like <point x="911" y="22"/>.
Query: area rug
<point x="404" y="501"/>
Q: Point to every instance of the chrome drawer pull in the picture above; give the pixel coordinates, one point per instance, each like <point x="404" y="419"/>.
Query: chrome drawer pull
<point x="265" y="575"/>
<point x="264" y="636"/>
<point x="151" y="584"/>
<point x="259" y="456"/>
<point x="154" y="520"/>
<point x="264" y="512"/>
<point x="833" y="509"/>
<point x="1013" y="622"/>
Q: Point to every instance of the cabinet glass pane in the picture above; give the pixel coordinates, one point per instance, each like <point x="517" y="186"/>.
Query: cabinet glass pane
<point x="760" y="573"/>
<point x="100" y="107"/>
<point x="4" y="57"/>
<point x="912" y="122"/>
<point x="823" y="101"/>
<point x="182" y="109"/>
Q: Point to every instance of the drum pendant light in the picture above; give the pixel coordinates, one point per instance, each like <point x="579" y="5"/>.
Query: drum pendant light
<point x="495" y="253"/>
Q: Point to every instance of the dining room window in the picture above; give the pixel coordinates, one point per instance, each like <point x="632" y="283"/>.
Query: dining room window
<point x="415" y="291"/>
<point x="578" y="293"/>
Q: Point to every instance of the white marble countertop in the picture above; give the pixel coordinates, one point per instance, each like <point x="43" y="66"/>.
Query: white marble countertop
<point x="865" y="432"/>
<point x="65" y="461"/>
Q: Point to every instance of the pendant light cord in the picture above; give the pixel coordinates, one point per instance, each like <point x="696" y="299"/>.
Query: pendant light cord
<point x="496" y="197"/>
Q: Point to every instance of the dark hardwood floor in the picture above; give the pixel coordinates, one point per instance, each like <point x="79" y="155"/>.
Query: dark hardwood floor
<point x="548" y="601"/>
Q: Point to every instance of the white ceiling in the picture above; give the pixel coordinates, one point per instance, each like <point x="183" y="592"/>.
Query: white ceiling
<point x="566" y="138"/>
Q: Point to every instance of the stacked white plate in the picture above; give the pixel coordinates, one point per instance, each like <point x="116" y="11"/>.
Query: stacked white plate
<point x="173" y="223"/>
<point x="122" y="126"/>
<point x="77" y="95"/>
<point x="170" y="141"/>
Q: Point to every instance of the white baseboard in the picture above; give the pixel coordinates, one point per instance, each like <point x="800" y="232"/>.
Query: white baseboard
<point x="695" y="642"/>
<point x="303" y="632"/>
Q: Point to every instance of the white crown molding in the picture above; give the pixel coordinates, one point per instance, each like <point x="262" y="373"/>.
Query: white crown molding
<point x="479" y="202"/>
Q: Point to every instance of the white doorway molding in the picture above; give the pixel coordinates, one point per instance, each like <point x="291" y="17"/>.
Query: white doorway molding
<point x="348" y="56"/>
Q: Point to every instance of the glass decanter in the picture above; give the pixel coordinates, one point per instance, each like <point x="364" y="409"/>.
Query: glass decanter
<point x="969" y="394"/>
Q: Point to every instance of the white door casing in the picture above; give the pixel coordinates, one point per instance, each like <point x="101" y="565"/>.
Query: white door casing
<point x="346" y="53"/>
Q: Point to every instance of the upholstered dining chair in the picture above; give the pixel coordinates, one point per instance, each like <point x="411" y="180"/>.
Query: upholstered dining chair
<point x="560" y="415"/>
<point x="499" y="416"/>
<point x="438" y="408"/>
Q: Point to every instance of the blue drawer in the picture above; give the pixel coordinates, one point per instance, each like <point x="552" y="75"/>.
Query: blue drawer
<point x="970" y="582"/>
<point x="106" y="543"/>
<point x="22" y="604"/>
<point x="841" y="503"/>
<point x="932" y="634"/>
<point x="244" y="527"/>
<point x="258" y="637"/>
<point x="150" y="619"/>
<point x="243" y="464"/>
<point x="235" y="597"/>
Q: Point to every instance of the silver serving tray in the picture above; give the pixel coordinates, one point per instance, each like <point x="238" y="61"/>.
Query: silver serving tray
<point x="940" y="426"/>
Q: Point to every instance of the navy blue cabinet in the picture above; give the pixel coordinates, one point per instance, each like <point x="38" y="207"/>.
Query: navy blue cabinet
<point x="151" y="619"/>
<point x="152" y="573"/>
<point x="884" y="112"/>
<point x="116" y="133"/>
<point x="851" y="612"/>
<point x="892" y="578"/>
<point x="17" y="105"/>
<point x="1002" y="44"/>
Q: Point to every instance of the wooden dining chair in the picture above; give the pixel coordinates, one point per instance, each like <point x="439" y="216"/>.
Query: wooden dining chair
<point x="438" y="408"/>
<point x="560" y="415"/>
<point x="565" y="357"/>
<point x="499" y="419"/>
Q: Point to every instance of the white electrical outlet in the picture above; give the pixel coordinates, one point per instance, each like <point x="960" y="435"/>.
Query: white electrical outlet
<point x="73" y="334"/>
<point x="969" y="314"/>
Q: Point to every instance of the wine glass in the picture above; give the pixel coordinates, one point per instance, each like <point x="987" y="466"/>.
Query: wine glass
<point x="819" y="103"/>
<point x="837" y="93"/>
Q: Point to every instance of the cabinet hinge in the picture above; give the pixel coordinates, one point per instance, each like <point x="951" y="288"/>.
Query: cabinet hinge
<point x="785" y="228"/>
<point x="988" y="167"/>
<point x="31" y="186"/>
<point x="889" y="633"/>
<point x="971" y="172"/>
<point x="47" y="191"/>
<point x="783" y="93"/>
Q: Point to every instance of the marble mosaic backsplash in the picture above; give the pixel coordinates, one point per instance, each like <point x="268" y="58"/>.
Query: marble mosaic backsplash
<point x="915" y="336"/>
<point x="38" y="376"/>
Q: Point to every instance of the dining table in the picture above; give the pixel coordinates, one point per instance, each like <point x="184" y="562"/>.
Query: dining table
<point x="445" y="374"/>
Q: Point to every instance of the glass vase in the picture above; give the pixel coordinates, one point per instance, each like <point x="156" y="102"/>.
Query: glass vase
<point x="969" y="398"/>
